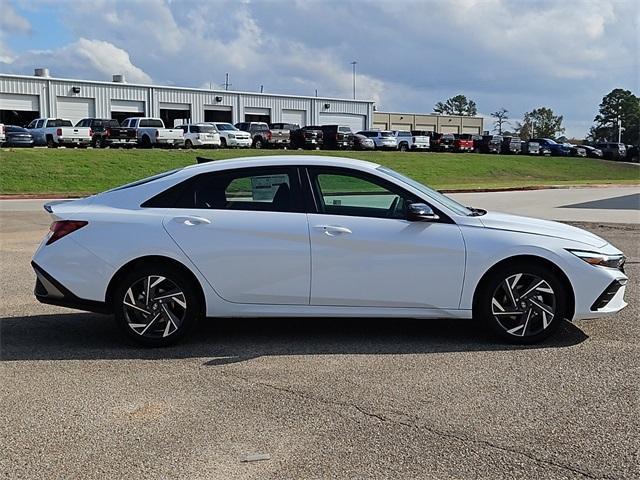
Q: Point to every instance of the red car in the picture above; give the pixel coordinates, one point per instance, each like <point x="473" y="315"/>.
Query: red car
<point x="463" y="142"/>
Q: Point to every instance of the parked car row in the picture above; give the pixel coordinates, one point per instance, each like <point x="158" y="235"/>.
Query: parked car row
<point x="148" y="132"/>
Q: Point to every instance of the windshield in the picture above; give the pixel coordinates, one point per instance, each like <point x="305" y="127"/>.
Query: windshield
<point x="432" y="194"/>
<point x="225" y="126"/>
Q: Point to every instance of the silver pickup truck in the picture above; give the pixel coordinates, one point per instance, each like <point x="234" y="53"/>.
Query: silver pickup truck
<point x="152" y="132"/>
<point x="55" y="132"/>
<point x="281" y="134"/>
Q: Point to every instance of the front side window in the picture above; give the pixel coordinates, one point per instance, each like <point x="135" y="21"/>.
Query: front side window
<point x="352" y="194"/>
<point x="40" y="124"/>
<point x="262" y="189"/>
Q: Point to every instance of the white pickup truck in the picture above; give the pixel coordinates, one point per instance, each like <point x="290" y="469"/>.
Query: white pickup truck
<point x="56" y="132"/>
<point x="152" y="132"/>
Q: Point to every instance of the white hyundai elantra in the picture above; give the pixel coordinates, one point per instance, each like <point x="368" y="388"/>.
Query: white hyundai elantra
<point x="311" y="236"/>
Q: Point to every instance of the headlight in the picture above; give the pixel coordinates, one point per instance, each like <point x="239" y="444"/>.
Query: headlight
<point x="600" y="259"/>
<point x="231" y="135"/>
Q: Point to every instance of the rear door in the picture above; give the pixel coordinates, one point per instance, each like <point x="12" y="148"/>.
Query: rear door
<point x="247" y="233"/>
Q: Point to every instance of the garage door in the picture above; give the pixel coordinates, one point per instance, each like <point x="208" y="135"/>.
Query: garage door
<point x="356" y="122"/>
<point x="27" y="103"/>
<point x="471" y="130"/>
<point x="448" y="129"/>
<point x="128" y="106"/>
<point x="426" y="127"/>
<point x="299" y="117"/>
<point x="75" y="109"/>
<point x="379" y="126"/>
<point x="401" y="126"/>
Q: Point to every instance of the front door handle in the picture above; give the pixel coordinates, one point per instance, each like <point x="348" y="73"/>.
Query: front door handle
<point x="333" y="230"/>
<point x="192" y="220"/>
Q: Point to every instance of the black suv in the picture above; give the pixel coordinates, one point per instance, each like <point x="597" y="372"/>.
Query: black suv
<point x="307" y="137"/>
<point x="612" y="150"/>
<point x="511" y="145"/>
<point x="488" y="144"/>
<point x="336" y="137"/>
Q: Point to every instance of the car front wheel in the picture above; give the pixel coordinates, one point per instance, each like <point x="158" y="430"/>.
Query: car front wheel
<point x="523" y="303"/>
<point x="156" y="306"/>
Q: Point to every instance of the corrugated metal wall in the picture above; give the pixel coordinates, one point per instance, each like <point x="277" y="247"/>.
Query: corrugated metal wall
<point x="49" y="89"/>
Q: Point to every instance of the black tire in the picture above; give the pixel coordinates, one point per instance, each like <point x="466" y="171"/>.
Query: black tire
<point x="257" y="143"/>
<point x="534" y="323"/>
<point x="51" y="143"/>
<point x="403" y="147"/>
<point x="153" y="328"/>
<point x="223" y="142"/>
<point x="188" y="144"/>
<point x="146" y="141"/>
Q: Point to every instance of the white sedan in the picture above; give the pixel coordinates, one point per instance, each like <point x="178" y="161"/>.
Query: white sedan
<point x="307" y="236"/>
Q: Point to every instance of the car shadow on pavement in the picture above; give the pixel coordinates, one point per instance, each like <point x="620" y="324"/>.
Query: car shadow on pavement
<point x="230" y="340"/>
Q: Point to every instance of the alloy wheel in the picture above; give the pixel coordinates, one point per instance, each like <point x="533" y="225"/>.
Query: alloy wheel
<point x="154" y="307"/>
<point x="524" y="305"/>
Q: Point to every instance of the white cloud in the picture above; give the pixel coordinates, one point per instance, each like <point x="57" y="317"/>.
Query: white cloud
<point x="87" y="59"/>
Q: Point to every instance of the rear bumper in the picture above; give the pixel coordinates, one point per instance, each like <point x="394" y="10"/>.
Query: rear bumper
<point x="238" y="142"/>
<point x="50" y="291"/>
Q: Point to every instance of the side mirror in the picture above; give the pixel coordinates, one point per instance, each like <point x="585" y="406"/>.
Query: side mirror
<point x="421" y="212"/>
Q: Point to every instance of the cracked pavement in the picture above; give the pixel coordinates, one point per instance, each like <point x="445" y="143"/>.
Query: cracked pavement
<point x="331" y="398"/>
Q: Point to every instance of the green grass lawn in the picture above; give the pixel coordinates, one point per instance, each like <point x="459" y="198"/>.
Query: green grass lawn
<point x="77" y="172"/>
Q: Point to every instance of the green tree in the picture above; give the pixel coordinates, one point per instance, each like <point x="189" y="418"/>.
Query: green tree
<point x="501" y="118"/>
<point x="458" y="105"/>
<point x="545" y="124"/>
<point x="617" y="104"/>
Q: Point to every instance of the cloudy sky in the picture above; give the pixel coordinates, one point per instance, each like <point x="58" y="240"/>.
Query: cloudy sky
<point x="517" y="54"/>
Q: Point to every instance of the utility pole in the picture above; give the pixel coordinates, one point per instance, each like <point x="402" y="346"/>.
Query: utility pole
<point x="533" y="123"/>
<point x="619" y="130"/>
<point x="226" y="81"/>
<point x="354" y="78"/>
<point x="261" y="88"/>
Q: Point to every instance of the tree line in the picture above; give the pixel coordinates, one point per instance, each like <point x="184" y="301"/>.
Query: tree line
<point x="619" y="112"/>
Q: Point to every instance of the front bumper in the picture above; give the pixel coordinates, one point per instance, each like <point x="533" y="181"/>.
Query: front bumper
<point x="50" y="291"/>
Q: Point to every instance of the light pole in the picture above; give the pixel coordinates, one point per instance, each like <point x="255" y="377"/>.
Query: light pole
<point x="619" y="130"/>
<point x="354" y="78"/>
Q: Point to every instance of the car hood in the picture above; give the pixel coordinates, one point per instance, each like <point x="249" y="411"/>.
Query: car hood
<point x="535" y="226"/>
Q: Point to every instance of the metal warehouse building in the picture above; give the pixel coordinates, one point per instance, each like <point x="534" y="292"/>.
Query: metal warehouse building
<point x="23" y="98"/>
<point x="428" y="122"/>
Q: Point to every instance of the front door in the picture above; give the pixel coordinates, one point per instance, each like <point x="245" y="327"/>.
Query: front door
<point x="247" y="234"/>
<point x="365" y="252"/>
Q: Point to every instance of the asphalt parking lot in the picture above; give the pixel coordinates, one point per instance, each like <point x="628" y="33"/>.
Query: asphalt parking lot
<point x="323" y="398"/>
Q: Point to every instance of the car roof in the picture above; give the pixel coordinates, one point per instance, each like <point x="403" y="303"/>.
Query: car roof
<point x="277" y="160"/>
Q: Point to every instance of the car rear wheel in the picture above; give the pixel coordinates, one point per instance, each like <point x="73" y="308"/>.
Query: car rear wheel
<point x="156" y="306"/>
<point x="523" y="303"/>
<point x="188" y="144"/>
<point x="403" y="147"/>
<point x="257" y="143"/>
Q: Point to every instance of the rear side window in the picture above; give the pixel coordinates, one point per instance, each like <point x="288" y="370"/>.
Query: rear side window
<point x="250" y="189"/>
<point x="150" y="122"/>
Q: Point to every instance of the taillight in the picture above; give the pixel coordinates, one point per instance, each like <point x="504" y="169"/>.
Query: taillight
<point x="59" y="132"/>
<point x="91" y="132"/>
<point x="64" y="227"/>
<point x="269" y="135"/>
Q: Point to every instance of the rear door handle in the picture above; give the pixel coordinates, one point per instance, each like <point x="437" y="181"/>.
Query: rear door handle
<point x="192" y="220"/>
<point x="333" y="230"/>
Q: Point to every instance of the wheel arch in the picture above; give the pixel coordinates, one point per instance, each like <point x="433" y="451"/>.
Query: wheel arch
<point x="153" y="260"/>
<point x="529" y="259"/>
